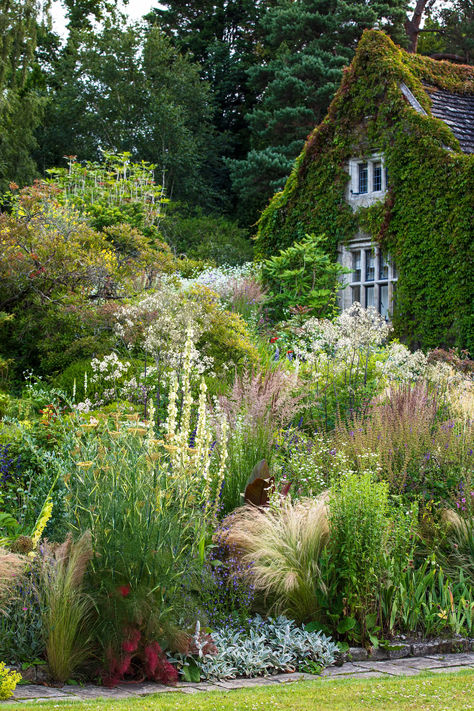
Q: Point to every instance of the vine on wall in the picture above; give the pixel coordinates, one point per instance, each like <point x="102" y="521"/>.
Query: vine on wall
<point x="425" y="219"/>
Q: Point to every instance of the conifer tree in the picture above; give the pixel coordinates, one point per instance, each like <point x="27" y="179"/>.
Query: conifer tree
<point x="307" y="43"/>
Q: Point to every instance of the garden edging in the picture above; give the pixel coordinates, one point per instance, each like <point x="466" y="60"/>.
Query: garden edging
<point x="408" y="666"/>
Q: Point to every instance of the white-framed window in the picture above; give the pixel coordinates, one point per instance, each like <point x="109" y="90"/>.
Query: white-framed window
<point x="372" y="278"/>
<point x="368" y="178"/>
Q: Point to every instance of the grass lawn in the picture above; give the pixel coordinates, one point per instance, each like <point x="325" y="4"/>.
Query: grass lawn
<point x="428" y="692"/>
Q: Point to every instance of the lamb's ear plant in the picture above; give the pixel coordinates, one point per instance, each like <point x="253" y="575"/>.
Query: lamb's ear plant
<point x="66" y="609"/>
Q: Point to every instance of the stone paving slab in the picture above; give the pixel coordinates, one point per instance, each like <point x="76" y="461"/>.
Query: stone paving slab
<point x="451" y="660"/>
<point x="366" y="669"/>
<point x="392" y="669"/>
<point x="346" y="669"/>
<point x="447" y="670"/>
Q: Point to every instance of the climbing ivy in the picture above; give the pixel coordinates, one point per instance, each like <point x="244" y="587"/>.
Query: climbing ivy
<point x="425" y="219"/>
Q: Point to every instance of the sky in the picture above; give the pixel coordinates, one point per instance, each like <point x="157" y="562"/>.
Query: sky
<point x="135" y="10"/>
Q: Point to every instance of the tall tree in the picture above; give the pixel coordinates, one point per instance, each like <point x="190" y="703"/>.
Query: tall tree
<point x="223" y="37"/>
<point x="126" y="88"/>
<point x="20" y="104"/>
<point x="448" y="32"/>
<point x="307" y="43"/>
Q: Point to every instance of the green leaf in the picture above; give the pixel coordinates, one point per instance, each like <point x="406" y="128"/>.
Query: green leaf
<point x="346" y="624"/>
<point x="191" y="671"/>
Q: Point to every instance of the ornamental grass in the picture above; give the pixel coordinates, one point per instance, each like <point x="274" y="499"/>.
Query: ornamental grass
<point x="281" y="549"/>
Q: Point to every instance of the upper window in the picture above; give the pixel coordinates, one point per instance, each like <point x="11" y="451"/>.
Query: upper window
<point x="368" y="177"/>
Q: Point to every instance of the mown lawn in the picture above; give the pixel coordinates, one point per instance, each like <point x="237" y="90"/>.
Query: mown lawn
<point x="428" y="692"/>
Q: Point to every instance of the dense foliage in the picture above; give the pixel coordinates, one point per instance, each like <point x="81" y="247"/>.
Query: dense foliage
<point x="206" y="470"/>
<point x="422" y="223"/>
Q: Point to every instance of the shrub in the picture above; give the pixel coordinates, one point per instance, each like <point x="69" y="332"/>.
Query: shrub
<point x="159" y="324"/>
<point x="339" y="361"/>
<point x="8" y="681"/>
<point x="303" y="275"/>
<point x="207" y="237"/>
<point x="369" y="541"/>
<point x="281" y="547"/>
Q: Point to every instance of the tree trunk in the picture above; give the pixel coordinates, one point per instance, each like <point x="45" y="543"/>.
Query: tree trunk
<point x="412" y="26"/>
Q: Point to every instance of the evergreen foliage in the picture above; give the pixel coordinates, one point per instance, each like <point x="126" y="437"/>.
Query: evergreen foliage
<point x="449" y="32"/>
<point x="425" y="220"/>
<point x="20" y="104"/>
<point x="307" y="44"/>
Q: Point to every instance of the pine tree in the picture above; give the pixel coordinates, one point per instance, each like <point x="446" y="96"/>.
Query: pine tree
<point x="307" y="43"/>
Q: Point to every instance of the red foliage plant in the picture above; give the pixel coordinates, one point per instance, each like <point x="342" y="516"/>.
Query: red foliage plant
<point x="137" y="660"/>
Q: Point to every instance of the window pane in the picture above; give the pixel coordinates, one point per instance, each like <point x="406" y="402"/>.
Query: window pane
<point x="383" y="300"/>
<point x="363" y="178"/>
<point x="356" y="266"/>
<point x="369" y="265"/>
<point x="369" y="296"/>
<point x="356" y="294"/>
<point x="377" y="176"/>
<point x="383" y="266"/>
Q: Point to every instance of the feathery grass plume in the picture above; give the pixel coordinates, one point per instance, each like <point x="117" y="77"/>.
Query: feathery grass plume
<point x="399" y="428"/>
<point x="66" y="608"/>
<point x="12" y="566"/>
<point x="257" y="406"/>
<point x="280" y="548"/>
<point x="460" y="540"/>
<point x="269" y="398"/>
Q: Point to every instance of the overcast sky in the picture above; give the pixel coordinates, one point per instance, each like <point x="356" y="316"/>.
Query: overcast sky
<point x="135" y="10"/>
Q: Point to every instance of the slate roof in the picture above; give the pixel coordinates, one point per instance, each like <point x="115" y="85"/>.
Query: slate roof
<point x="457" y="112"/>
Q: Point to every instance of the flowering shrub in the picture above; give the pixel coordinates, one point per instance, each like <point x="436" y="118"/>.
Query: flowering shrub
<point x="159" y="323"/>
<point x="339" y="360"/>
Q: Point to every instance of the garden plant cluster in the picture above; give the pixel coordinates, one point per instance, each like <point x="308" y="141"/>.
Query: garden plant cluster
<point x="206" y="471"/>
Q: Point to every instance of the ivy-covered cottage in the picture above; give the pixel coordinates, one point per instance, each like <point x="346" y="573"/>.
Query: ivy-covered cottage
<point x="388" y="176"/>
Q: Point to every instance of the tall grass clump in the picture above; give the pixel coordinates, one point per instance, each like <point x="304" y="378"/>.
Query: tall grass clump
<point x="281" y="548"/>
<point x="66" y="609"/>
<point x="458" y="551"/>
<point x="258" y="405"/>
<point x="12" y="567"/>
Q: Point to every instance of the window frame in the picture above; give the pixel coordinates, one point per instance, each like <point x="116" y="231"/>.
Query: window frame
<point x="372" y="163"/>
<point x="366" y="286"/>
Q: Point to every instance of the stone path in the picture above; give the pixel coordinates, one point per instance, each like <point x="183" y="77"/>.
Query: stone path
<point x="410" y="666"/>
